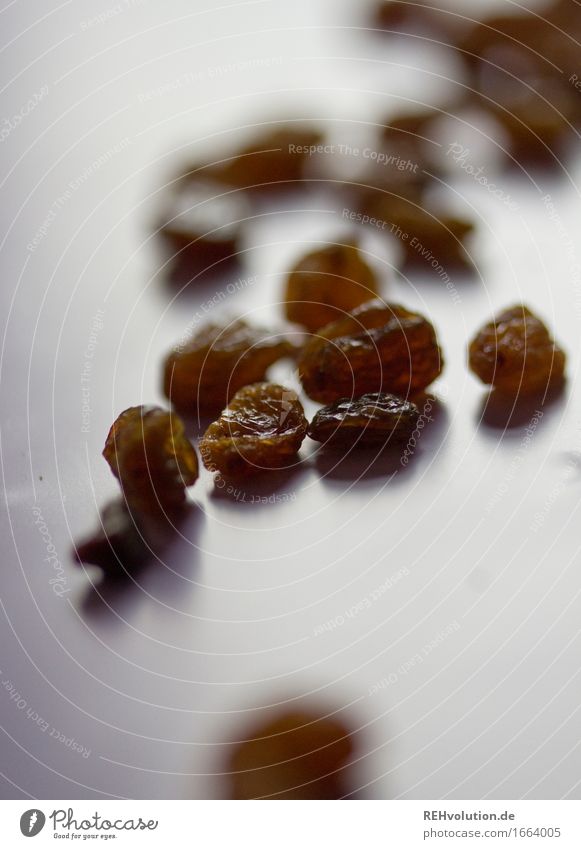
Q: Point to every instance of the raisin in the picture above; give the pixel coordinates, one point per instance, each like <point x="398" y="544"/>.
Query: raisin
<point x="403" y="18"/>
<point x="273" y="161"/>
<point x="151" y="457"/>
<point x="202" y="224"/>
<point x="124" y="543"/>
<point x="203" y="374"/>
<point x="378" y="347"/>
<point x="296" y="755"/>
<point x="326" y="283"/>
<point x="263" y="427"/>
<point x="430" y="239"/>
<point x="515" y="353"/>
<point x="372" y="420"/>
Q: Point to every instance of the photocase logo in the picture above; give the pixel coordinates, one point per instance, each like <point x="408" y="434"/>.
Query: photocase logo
<point x="32" y="822"/>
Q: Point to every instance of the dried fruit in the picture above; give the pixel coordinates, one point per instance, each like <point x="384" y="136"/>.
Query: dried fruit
<point x="204" y="373"/>
<point x="124" y="543"/>
<point x="273" y="161"/>
<point x="151" y="457"/>
<point x="262" y="428"/>
<point x="516" y="354"/>
<point x="297" y="755"/>
<point x="378" y="347"/>
<point x="430" y="239"/>
<point x="202" y="224"/>
<point x="374" y="419"/>
<point x="326" y="283"/>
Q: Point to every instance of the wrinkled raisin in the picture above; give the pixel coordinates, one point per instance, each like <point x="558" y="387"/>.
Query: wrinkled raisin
<point x="203" y="374"/>
<point x="297" y="755"/>
<point x="326" y="283"/>
<point x="263" y="427"/>
<point x="151" y="457"/>
<point x="374" y="419"/>
<point x="516" y="354"/>
<point x="378" y="347"/>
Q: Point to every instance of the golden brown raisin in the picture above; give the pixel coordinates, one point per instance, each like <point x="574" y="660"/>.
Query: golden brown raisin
<point x="297" y="755"/>
<point x="202" y="224"/>
<point x="151" y="457"/>
<point x="430" y="239"/>
<point x="205" y="372"/>
<point x="378" y="347"/>
<point x="273" y="161"/>
<point x="326" y="283"/>
<point x="516" y="354"/>
<point x="263" y="427"/>
<point x="374" y="419"/>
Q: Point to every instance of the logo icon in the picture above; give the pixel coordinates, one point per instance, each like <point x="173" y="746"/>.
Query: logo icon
<point x="32" y="822"/>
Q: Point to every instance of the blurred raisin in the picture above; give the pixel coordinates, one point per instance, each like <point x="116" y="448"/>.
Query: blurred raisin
<point x="378" y="347"/>
<point x="153" y="460"/>
<point x="374" y="419"/>
<point x="273" y="162"/>
<point x="411" y="18"/>
<point x="296" y="755"/>
<point x="516" y="354"/>
<point x="263" y="427"/>
<point x="202" y="374"/>
<point x="326" y="283"/>
<point x="202" y="225"/>
<point x="125" y="542"/>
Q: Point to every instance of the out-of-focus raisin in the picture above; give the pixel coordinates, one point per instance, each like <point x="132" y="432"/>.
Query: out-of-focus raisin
<point x="262" y="428"/>
<point x="430" y="239"/>
<point x="203" y="374"/>
<point x="273" y="162"/>
<point x="151" y="457"/>
<point x="326" y="283"/>
<point x="297" y="755"/>
<point x="378" y="347"/>
<point x="372" y="420"/>
<point x="125" y="542"/>
<point x="202" y="224"/>
<point x="403" y="18"/>
<point x="515" y="354"/>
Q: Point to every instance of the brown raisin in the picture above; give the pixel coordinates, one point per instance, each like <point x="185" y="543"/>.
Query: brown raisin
<point x="151" y="457"/>
<point x="202" y="224"/>
<point x="372" y="420"/>
<point x="430" y="239"/>
<point x="516" y="354"/>
<point x="263" y="427"/>
<point x="326" y="283"/>
<point x="273" y="161"/>
<point x="378" y="347"/>
<point x="297" y="755"/>
<point x="203" y="374"/>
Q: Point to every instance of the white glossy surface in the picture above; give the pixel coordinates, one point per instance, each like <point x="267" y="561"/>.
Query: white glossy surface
<point x="153" y="681"/>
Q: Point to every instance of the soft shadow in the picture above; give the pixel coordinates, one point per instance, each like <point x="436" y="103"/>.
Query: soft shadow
<point x="500" y="411"/>
<point x="157" y="556"/>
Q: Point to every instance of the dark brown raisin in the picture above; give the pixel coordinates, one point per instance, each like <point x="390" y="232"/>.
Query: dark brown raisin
<point x="326" y="283"/>
<point x="203" y="374"/>
<point x="262" y="428"/>
<point x="202" y="225"/>
<point x="373" y="420"/>
<point x="516" y="354"/>
<point x="378" y="347"/>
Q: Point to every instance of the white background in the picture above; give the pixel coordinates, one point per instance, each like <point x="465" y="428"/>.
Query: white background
<point x="158" y="679"/>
